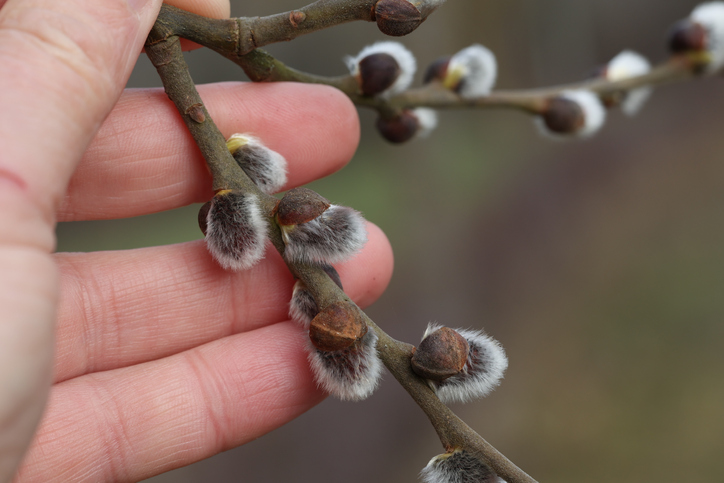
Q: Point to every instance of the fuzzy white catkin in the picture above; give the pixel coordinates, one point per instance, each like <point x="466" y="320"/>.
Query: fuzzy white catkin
<point x="458" y="467"/>
<point x="351" y="374"/>
<point x="426" y="121"/>
<point x="625" y="65"/>
<point x="483" y="371"/>
<point x="334" y="236"/>
<point x="302" y="307"/>
<point x="477" y="69"/>
<point x="594" y="115"/>
<point x="266" y="168"/>
<point x="236" y="231"/>
<point x="710" y="15"/>
<point x="405" y="60"/>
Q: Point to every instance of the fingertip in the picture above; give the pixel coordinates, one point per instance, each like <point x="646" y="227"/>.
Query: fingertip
<point x="340" y="133"/>
<point x="367" y="275"/>
<point x="206" y="8"/>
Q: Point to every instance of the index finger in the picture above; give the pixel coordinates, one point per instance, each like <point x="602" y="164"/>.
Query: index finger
<point x="144" y="160"/>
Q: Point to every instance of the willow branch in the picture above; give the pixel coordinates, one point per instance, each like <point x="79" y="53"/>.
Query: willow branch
<point x="261" y="66"/>
<point x="164" y="51"/>
<point x="676" y="69"/>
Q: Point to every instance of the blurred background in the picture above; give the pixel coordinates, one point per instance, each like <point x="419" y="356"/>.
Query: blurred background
<point x="599" y="265"/>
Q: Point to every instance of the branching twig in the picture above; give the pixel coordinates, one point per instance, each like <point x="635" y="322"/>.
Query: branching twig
<point x="163" y="48"/>
<point x="242" y="35"/>
<point x="229" y="38"/>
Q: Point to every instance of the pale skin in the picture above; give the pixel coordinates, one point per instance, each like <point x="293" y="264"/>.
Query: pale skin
<point x="115" y="366"/>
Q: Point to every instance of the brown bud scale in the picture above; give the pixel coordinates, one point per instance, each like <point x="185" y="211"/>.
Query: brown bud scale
<point x="397" y="17"/>
<point x="337" y="327"/>
<point x="398" y="129"/>
<point x="377" y="72"/>
<point x="563" y="115"/>
<point x="441" y="354"/>
<point x="687" y="36"/>
<point x="300" y="205"/>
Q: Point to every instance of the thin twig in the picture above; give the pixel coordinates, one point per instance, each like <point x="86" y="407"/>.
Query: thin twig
<point x="242" y="35"/>
<point x="261" y="66"/>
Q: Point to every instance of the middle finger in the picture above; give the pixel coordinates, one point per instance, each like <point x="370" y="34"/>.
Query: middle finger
<point x="127" y="307"/>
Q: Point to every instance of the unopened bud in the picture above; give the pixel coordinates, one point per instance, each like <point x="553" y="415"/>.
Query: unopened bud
<point x="409" y="124"/>
<point x="701" y="37"/>
<point x="300" y="205"/>
<point x="471" y="72"/>
<point x="266" y="168"/>
<point x="317" y="232"/>
<point x="576" y="113"/>
<point x="687" y="36"/>
<point x="235" y="230"/>
<point x="337" y="327"/>
<point x="350" y="374"/>
<point x="458" y="466"/>
<point x="302" y="307"/>
<point x="442" y="353"/>
<point x="385" y="68"/>
<point x="625" y="65"/>
<point x="483" y="368"/>
<point x="397" y="17"/>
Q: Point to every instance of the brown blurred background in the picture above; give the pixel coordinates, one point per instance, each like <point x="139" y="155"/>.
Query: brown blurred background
<point x="599" y="265"/>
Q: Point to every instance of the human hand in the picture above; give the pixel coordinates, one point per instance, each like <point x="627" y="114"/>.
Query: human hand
<point x="161" y="357"/>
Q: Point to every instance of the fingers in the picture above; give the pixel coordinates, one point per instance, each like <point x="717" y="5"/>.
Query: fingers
<point x="207" y="8"/>
<point x="123" y="308"/>
<point x="129" y="424"/>
<point x="144" y="159"/>
<point x="62" y="66"/>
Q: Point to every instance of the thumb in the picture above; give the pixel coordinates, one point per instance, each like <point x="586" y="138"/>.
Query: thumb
<point x="62" y="67"/>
